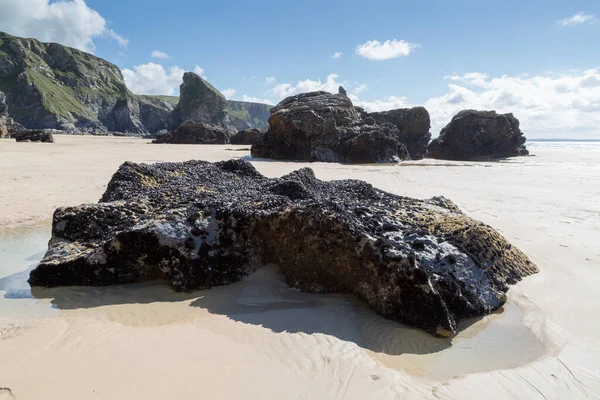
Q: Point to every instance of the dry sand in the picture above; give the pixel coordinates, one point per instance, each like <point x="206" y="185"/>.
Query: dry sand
<point x="258" y="339"/>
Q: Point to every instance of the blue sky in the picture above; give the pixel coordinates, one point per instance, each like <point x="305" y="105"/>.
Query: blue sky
<point x="537" y="59"/>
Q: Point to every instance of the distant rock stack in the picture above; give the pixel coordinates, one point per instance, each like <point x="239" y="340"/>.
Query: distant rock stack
<point x="414" y="125"/>
<point x="320" y="126"/>
<point x="195" y="133"/>
<point x="248" y="115"/>
<point x="199" y="101"/>
<point x="479" y="135"/>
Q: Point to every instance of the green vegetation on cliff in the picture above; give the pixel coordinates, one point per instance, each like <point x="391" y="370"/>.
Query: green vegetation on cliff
<point x="48" y="85"/>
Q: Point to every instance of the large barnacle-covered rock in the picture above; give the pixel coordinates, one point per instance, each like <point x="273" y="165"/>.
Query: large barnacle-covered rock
<point x="199" y="224"/>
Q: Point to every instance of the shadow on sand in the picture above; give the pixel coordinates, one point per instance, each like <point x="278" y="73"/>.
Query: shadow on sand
<point x="262" y="299"/>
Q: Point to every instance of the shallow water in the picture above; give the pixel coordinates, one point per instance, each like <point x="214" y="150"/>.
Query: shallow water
<point x="499" y="341"/>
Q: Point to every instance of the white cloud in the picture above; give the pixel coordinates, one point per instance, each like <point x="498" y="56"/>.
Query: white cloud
<point x="361" y="87"/>
<point x="199" y="71"/>
<point x="152" y="78"/>
<point x="470" y="78"/>
<point x="578" y="19"/>
<point x="270" y="79"/>
<point x="228" y="93"/>
<point x="337" y="55"/>
<point x="287" y="89"/>
<point x="377" y="51"/>
<point x="256" y="100"/>
<point x="549" y="105"/>
<point x="71" y="23"/>
<point x="159" y="54"/>
<point x="115" y="36"/>
<point x="388" y="103"/>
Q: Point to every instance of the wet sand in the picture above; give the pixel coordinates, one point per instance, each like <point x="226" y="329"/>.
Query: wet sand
<point x="258" y="339"/>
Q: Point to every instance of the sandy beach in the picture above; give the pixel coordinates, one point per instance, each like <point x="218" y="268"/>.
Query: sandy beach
<point x="258" y="339"/>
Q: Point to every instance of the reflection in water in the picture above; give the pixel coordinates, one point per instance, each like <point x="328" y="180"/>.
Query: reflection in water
<point x="495" y="342"/>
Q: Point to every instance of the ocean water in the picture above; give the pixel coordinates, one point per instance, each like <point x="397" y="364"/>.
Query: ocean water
<point x="587" y="145"/>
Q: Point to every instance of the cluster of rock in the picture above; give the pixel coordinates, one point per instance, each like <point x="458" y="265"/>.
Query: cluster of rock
<point x="50" y="86"/>
<point x="413" y="125"/>
<point x="195" y="133"/>
<point x="198" y="225"/>
<point x="321" y="126"/>
<point x="41" y="136"/>
<point x="479" y="135"/>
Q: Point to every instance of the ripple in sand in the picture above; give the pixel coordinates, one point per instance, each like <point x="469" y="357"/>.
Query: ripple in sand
<point x="498" y="341"/>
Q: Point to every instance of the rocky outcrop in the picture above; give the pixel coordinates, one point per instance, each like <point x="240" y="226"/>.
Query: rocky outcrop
<point x="249" y="136"/>
<point x="199" y="101"/>
<point x="199" y="225"/>
<point x="479" y="135"/>
<point x="50" y="86"/>
<point x="3" y="116"/>
<point x="195" y="133"/>
<point x="33" y="136"/>
<point x="320" y="126"/>
<point x="413" y="126"/>
<point x="8" y="126"/>
<point x="245" y="115"/>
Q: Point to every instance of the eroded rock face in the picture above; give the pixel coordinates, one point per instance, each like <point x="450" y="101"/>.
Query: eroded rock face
<point x="413" y="126"/>
<point x="246" y="115"/>
<point x="3" y="116"/>
<point x="320" y="126"/>
<point x="199" y="101"/>
<point x="248" y="136"/>
<point x="198" y="225"/>
<point x="479" y="135"/>
<point x="50" y="86"/>
<point x="33" y="136"/>
<point x="195" y="133"/>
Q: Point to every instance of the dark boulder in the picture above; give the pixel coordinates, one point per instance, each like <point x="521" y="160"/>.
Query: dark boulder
<point x="479" y="136"/>
<point x="198" y="225"/>
<point x="195" y="133"/>
<point x="33" y="136"/>
<point x="248" y="136"/>
<point x="320" y="126"/>
<point x="413" y="125"/>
